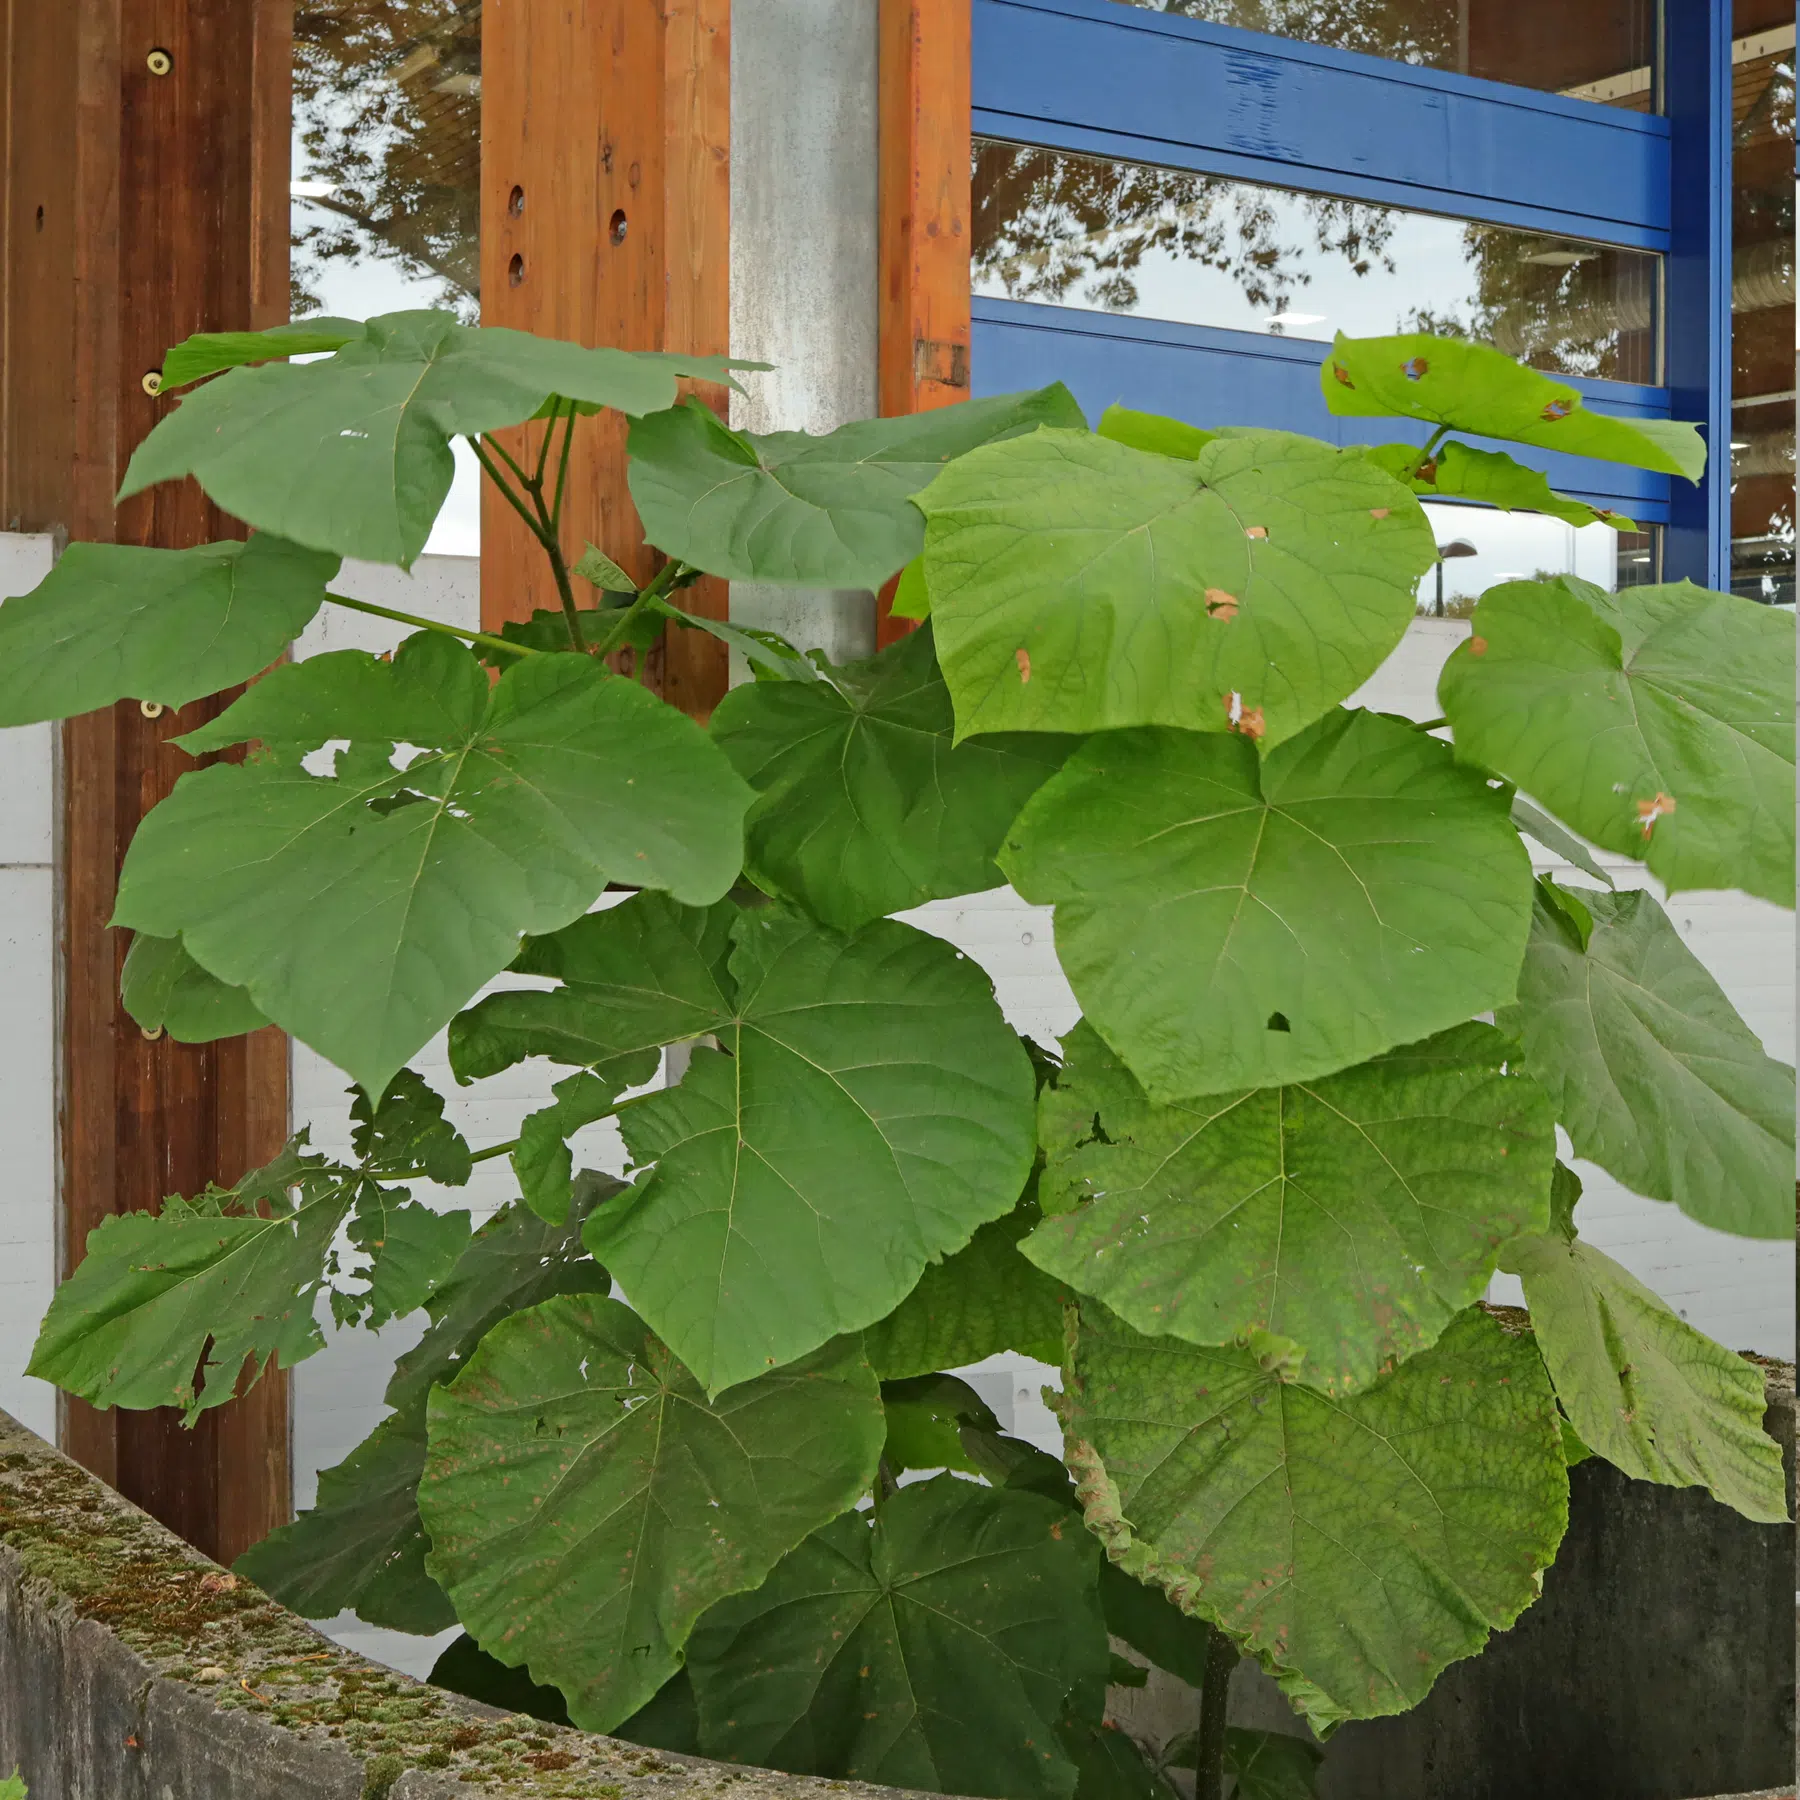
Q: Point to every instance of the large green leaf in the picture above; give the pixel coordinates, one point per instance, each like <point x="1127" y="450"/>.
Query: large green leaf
<point x="352" y="453"/>
<point x="360" y="1547"/>
<point x="586" y="1503"/>
<point x="982" y="1299"/>
<point x="1475" y="388"/>
<point x="542" y="1160"/>
<point x="360" y="910"/>
<point x="209" y="352"/>
<point x="934" y="1648"/>
<point x="865" y="804"/>
<point x="412" y="1250"/>
<point x="1337" y="1224"/>
<point x="882" y="1054"/>
<point x="116" y="622"/>
<point x="1229" y="921"/>
<point x="161" y="1302"/>
<point x="1459" y="472"/>
<point x="831" y="511"/>
<point x="931" y="1422"/>
<point x="164" y="989"/>
<point x="1355" y="1547"/>
<point x="1079" y="584"/>
<point x="1642" y="1387"/>
<point x="1651" y="1071"/>
<point x="1658" y="721"/>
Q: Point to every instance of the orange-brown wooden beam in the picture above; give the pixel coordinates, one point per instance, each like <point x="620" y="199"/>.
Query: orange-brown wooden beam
<point x="145" y="197"/>
<point x="925" y="216"/>
<point x="605" y="218"/>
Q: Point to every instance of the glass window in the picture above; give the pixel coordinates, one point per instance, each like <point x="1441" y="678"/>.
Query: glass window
<point x="1600" y="50"/>
<point x="1123" y="237"/>
<point x="1480" y="548"/>
<point x="1762" y="303"/>
<point x="387" y="156"/>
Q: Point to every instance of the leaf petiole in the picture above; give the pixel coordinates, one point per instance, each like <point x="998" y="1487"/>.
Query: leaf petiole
<point x="455" y="631"/>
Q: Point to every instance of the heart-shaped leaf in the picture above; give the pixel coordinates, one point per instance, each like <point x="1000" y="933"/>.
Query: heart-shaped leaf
<point x="1478" y="389"/>
<point x="360" y="910"/>
<point x="1355" y="1547"/>
<point x="1232" y="921"/>
<point x="360" y="1546"/>
<point x="352" y="453"/>
<point x="883" y="1053"/>
<point x="586" y="1502"/>
<point x="117" y="622"/>
<point x="794" y="510"/>
<point x="865" y="804"/>
<point x="1339" y="1224"/>
<point x="936" y="1647"/>
<point x="1650" y="1070"/>
<point x="1460" y="472"/>
<point x="1079" y="584"/>
<point x="1642" y="1387"/>
<point x="1658" y="721"/>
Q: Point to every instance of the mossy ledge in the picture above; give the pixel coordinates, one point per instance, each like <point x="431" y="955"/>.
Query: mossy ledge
<point x="130" y="1665"/>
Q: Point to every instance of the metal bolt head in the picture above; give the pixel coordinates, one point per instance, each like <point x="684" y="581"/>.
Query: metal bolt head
<point x="152" y="382"/>
<point x="159" y="62"/>
<point x="151" y="709"/>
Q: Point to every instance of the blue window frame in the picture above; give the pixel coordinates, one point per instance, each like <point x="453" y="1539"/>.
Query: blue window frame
<point x="1117" y="81"/>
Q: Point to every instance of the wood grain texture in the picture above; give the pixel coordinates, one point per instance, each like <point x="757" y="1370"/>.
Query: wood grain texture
<point x="606" y="188"/>
<point x="140" y="207"/>
<point x="925" y="209"/>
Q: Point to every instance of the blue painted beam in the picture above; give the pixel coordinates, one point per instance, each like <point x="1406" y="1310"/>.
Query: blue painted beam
<point x="1095" y="76"/>
<point x="1211" y="377"/>
<point x="1697" y="545"/>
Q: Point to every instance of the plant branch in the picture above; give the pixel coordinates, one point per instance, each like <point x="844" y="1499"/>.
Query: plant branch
<point x="562" y="474"/>
<point x="455" y="631"/>
<point x="1431" y="444"/>
<point x="550" y="425"/>
<point x="1215" y="1684"/>
<point x="494" y="1150"/>
<point x="647" y="597"/>
<point x="478" y="445"/>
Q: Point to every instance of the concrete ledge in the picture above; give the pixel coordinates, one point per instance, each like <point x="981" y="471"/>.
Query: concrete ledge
<point x="131" y="1666"/>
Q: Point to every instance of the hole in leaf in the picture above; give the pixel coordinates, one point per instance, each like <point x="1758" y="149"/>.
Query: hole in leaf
<point x="1279" y="1022"/>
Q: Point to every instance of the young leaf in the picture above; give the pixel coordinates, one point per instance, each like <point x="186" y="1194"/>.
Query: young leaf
<point x="1270" y="1765"/>
<point x="118" y="622"/>
<point x="542" y="1161"/>
<point x="1642" y="1387"/>
<point x="586" y="1503"/>
<point x="883" y="1052"/>
<point x="1154" y="432"/>
<point x="12" y="1787"/>
<point x="1658" y="722"/>
<point x="361" y="910"/>
<point x="210" y="1277"/>
<point x="407" y="1134"/>
<point x="1232" y="921"/>
<point x="599" y="570"/>
<point x="209" y="352"/>
<point x="1458" y="472"/>
<point x="1551" y="835"/>
<point x="865" y="805"/>
<point x="1651" y="1071"/>
<point x="936" y="1648"/>
<point x="980" y="1300"/>
<point x="352" y="454"/>
<point x="794" y="510"/>
<point x="1338" y="1223"/>
<point x="1475" y="388"/>
<point x="164" y="989"/>
<point x="1110" y="1764"/>
<point x="1356" y="1546"/>
<point x="361" y="1547"/>
<point x="1078" y="584"/>
<point x="548" y="629"/>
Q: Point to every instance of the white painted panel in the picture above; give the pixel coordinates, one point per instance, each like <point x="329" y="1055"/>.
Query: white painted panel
<point x="27" y="788"/>
<point x="444" y="588"/>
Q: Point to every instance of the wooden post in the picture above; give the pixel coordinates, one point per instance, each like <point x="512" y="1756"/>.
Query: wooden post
<point x="146" y="172"/>
<point x="605" y="218"/>
<point x="925" y="211"/>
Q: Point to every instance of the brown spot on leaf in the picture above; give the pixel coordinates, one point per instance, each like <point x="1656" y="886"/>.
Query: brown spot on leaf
<point x="1378" y="512"/>
<point x="1250" y="722"/>
<point x="1256" y="531"/>
<point x="1056" y="1531"/>
<point x="1022" y="657"/>
<point x="1220" y="605"/>
<point x="1478" y="646"/>
<point x="1649" y="811"/>
<point x="1427" y="470"/>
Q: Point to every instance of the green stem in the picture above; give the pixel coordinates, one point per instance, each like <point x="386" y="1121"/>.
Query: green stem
<point x="537" y="521"/>
<point x="455" y="631"/>
<point x="494" y="1150"/>
<point x="1215" y="1684"/>
<point x="500" y="481"/>
<point x="550" y="425"/>
<point x="647" y="595"/>
<point x="1431" y="444"/>
<point x="562" y="474"/>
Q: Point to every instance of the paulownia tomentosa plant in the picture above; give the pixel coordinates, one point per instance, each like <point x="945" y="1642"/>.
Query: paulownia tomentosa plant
<point x="651" y="1452"/>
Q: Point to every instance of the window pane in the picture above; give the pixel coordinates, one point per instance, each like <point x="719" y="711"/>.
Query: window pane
<point x="387" y="156"/>
<point x="1601" y="50"/>
<point x="1485" y="548"/>
<point x="1762" y="304"/>
<point x="1122" y="237"/>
